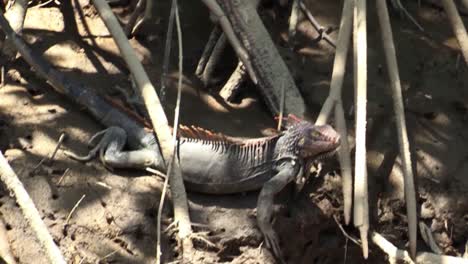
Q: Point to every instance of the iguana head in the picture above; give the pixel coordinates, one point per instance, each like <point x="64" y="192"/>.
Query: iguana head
<point x="309" y="141"/>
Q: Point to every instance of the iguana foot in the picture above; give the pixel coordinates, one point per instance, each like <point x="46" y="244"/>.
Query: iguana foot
<point x="272" y="242"/>
<point x="111" y="154"/>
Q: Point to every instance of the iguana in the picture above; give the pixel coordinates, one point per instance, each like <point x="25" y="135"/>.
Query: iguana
<point x="210" y="163"/>
<point x="218" y="164"/>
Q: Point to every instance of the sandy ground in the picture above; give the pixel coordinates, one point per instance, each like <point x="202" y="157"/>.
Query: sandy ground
<point x="115" y="222"/>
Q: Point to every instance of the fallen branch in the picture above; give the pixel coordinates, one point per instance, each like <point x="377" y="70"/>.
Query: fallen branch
<point x="146" y="91"/>
<point x="361" y="206"/>
<point x="14" y="185"/>
<point x="421" y="258"/>
<point x="457" y="27"/>
<point x="398" y="106"/>
<point x="334" y="101"/>
<point x="174" y="133"/>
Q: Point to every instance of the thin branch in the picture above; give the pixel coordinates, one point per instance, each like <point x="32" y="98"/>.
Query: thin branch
<point x="457" y="26"/>
<point x="153" y="105"/>
<point x="421" y="258"/>
<point x="334" y="101"/>
<point x="74" y="209"/>
<point x="392" y="66"/>
<point x="174" y="133"/>
<point x="129" y="28"/>
<point x="361" y="206"/>
<point x="317" y="26"/>
<point x="167" y="53"/>
<point x="14" y="185"/>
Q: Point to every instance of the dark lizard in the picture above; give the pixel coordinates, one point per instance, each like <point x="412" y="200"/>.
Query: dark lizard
<point x="210" y="163"/>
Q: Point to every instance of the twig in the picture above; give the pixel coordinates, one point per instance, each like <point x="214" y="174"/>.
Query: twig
<point x="74" y="209"/>
<point x="361" y="206"/>
<point x="5" y="252"/>
<point x="334" y="101"/>
<point x="281" y="113"/>
<point x="14" y="185"/>
<point x="345" y="233"/>
<point x="154" y="108"/>
<point x="317" y="26"/>
<point x="134" y="17"/>
<point x="65" y="173"/>
<point x="457" y="26"/>
<point x="392" y="65"/>
<point x="52" y="156"/>
<point x="426" y="235"/>
<point x="155" y="172"/>
<point x="167" y="53"/>
<point x="421" y="258"/>
<point x="398" y="6"/>
<point x="210" y="44"/>
<point x="233" y="85"/>
<point x="174" y="133"/>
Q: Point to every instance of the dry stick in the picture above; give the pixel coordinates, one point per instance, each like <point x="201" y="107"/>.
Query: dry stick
<point x="51" y="158"/>
<point x="74" y="209"/>
<point x="167" y="53"/>
<point x="334" y="101"/>
<point x="392" y="66"/>
<point x="174" y="12"/>
<point x="146" y="90"/>
<point x="294" y="19"/>
<point x="14" y="185"/>
<point x="361" y="206"/>
<point x="422" y="257"/>
<point x="15" y="16"/>
<point x="223" y="21"/>
<point x="210" y="44"/>
<point x="317" y="26"/>
<point x="134" y="17"/>
<point x="457" y="26"/>
<point x="233" y="85"/>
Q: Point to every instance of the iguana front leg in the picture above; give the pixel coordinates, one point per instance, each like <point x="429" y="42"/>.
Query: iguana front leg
<point x="287" y="171"/>
<point x="111" y="153"/>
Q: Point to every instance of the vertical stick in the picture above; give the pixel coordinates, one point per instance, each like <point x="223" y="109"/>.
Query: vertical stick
<point x="361" y="207"/>
<point x="392" y="67"/>
<point x="457" y="26"/>
<point x="334" y="100"/>
<point x="153" y="105"/>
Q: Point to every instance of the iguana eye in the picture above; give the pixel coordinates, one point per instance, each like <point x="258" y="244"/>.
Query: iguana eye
<point x="315" y="134"/>
<point x="301" y="142"/>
